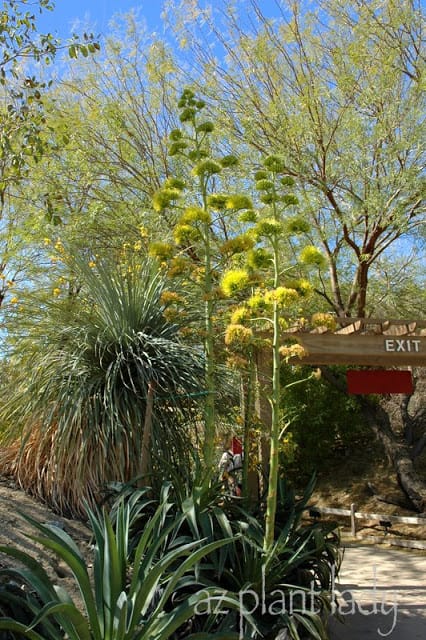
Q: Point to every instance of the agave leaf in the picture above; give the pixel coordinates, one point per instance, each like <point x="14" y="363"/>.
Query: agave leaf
<point x="35" y="576"/>
<point x="77" y="625"/>
<point x="8" y="624"/>
<point x="161" y="627"/>
<point x="60" y="542"/>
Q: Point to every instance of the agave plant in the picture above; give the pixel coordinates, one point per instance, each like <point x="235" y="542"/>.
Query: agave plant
<point x="289" y="587"/>
<point x="145" y="600"/>
<point x="105" y="379"/>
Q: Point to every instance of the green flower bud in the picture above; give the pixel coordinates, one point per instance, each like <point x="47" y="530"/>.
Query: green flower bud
<point x="174" y="183"/>
<point x="268" y="227"/>
<point x="229" y="161"/>
<point x="268" y="198"/>
<point x="290" y="199"/>
<point x="238" y="201"/>
<point x="197" y="154"/>
<point x="261" y="175"/>
<point x="217" y="201"/>
<point x="177" y="147"/>
<point x="264" y="185"/>
<point x="175" y="135"/>
<point x="184" y="234"/>
<point x="195" y="214"/>
<point x="187" y="114"/>
<point x="287" y="181"/>
<point x="248" y="216"/>
<point x="296" y="225"/>
<point x="205" y="127"/>
<point x="208" y="167"/>
<point x="163" y="198"/>
<point x="259" y="259"/>
<point x="275" y="164"/>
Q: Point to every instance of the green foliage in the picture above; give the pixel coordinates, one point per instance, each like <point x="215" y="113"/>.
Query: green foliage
<point x="86" y="367"/>
<point x="324" y="424"/>
<point x="300" y="567"/>
<point x="335" y="97"/>
<point x="139" y="601"/>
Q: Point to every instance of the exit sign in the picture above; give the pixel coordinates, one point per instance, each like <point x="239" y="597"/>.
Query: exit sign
<point x="379" y="381"/>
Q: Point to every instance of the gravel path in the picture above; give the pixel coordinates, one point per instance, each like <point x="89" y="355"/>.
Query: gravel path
<point x="382" y="595"/>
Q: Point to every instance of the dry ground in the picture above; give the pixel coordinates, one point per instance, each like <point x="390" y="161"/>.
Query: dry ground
<point x="14" y="531"/>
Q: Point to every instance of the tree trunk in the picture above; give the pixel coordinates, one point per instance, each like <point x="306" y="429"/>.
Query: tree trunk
<point x="399" y="454"/>
<point x="145" y="464"/>
<point x="400" y="451"/>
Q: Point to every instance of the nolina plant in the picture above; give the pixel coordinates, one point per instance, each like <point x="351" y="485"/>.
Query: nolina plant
<point x="92" y="368"/>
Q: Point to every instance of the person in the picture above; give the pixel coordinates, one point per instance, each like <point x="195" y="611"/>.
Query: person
<point x="229" y="465"/>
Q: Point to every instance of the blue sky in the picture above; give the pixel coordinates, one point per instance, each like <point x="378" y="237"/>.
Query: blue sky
<point x="75" y="15"/>
<point x="70" y="15"/>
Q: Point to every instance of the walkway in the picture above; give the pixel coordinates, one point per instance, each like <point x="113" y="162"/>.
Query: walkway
<point x="381" y="594"/>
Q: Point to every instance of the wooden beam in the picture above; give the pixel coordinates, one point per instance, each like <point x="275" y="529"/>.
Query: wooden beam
<point x="362" y="349"/>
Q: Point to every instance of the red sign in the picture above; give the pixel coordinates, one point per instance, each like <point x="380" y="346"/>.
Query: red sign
<point x="379" y="381"/>
<point x="237" y="447"/>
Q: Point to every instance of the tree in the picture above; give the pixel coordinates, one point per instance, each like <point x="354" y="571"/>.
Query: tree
<point x="23" y="139"/>
<point x="339" y="94"/>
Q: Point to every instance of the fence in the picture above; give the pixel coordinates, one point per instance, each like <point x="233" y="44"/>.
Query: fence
<point x="384" y="519"/>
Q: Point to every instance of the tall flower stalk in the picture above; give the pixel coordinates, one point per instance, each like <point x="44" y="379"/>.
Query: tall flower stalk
<point x="275" y="299"/>
<point x="200" y="248"/>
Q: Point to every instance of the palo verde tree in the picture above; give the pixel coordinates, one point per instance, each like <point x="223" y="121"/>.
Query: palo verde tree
<point x="336" y="90"/>
<point x="23" y="129"/>
<point x="202" y="241"/>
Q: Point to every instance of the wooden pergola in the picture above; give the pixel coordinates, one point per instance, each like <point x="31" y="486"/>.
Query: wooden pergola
<point x="363" y="341"/>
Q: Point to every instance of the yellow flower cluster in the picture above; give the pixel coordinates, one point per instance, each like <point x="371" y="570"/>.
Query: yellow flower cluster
<point x="283" y="296"/>
<point x="234" y="281"/>
<point x="195" y="214"/>
<point x="238" y="335"/>
<point x="292" y="351"/>
<point x="311" y="256"/>
<point x="170" y="297"/>
<point x="160" y="250"/>
<point x="240" y="315"/>
<point x="324" y="320"/>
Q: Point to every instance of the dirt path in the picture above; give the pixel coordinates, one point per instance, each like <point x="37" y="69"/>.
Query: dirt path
<point x="14" y="531"/>
<point x="382" y="595"/>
